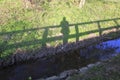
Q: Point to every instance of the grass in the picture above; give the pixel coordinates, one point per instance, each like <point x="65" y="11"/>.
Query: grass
<point x="14" y="17"/>
<point x="57" y="10"/>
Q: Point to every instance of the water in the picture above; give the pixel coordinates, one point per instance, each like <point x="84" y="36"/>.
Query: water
<point x="111" y="49"/>
<point x="53" y="66"/>
<point x="102" y="51"/>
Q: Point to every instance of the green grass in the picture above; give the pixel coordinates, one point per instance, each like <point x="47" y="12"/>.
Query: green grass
<point x="14" y="17"/>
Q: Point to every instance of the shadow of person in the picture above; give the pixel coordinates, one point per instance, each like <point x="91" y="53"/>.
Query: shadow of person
<point x="65" y="30"/>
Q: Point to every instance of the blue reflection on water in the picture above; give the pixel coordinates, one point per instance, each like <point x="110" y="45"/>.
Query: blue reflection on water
<point x="114" y="45"/>
<point x="102" y="51"/>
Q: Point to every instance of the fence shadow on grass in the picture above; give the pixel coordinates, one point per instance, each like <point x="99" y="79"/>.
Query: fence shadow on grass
<point x="40" y="37"/>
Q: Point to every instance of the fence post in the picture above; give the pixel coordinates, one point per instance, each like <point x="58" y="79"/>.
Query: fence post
<point x="77" y="32"/>
<point x="44" y="37"/>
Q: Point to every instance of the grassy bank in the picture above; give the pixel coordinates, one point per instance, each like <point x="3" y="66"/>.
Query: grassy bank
<point x="14" y="18"/>
<point x="52" y="13"/>
<point x="108" y="70"/>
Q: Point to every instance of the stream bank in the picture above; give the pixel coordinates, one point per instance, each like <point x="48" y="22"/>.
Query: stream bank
<point x="69" y="63"/>
<point x="107" y="70"/>
<point x="43" y="53"/>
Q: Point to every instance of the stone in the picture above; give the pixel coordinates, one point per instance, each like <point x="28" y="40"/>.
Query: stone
<point x="63" y="75"/>
<point x="68" y="73"/>
<point x="83" y="70"/>
<point x="68" y="78"/>
<point x="90" y="65"/>
<point x="71" y="72"/>
<point x="98" y="63"/>
<point x="53" y="78"/>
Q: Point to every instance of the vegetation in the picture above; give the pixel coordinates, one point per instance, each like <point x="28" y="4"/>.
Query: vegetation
<point x="15" y="18"/>
<point x="109" y="70"/>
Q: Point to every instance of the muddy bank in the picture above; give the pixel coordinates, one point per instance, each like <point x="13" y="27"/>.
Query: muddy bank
<point x="42" y="68"/>
<point x="43" y="53"/>
<point x="107" y="70"/>
<point x="66" y="57"/>
<point x="46" y="52"/>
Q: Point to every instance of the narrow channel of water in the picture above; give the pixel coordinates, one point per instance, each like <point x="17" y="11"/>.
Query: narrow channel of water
<point x="50" y="67"/>
<point x="102" y="51"/>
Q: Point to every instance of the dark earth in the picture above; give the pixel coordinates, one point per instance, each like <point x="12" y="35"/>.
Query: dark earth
<point x="59" y="63"/>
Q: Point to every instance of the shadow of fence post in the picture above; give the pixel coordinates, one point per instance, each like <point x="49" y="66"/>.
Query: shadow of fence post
<point x="44" y="37"/>
<point x="77" y="32"/>
<point x="99" y="29"/>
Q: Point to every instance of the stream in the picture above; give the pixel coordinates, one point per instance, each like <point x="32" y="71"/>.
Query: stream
<point x="54" y="66"/>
